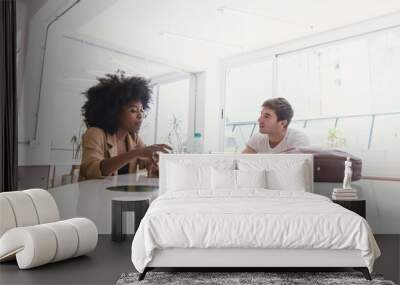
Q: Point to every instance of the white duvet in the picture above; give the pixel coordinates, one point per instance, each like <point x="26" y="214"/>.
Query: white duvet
<point x="252" y="218"/>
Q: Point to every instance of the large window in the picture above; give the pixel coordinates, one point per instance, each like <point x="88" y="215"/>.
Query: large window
<point x="169" y="120"/>
<point x="246" y="89"/>
<point x="345" y="95"/>
<point x="351" y="77"/>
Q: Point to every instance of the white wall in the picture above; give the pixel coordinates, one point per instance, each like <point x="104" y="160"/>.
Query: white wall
<point x="25" y="10"/>
<point x="212" y="107"/>
<point x="34" y="153"/>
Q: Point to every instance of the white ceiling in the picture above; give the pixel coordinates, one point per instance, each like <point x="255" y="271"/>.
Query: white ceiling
<point x="190" y="33"/>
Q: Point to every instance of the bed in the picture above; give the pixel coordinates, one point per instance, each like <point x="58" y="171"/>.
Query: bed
<point x="245" y="211"/>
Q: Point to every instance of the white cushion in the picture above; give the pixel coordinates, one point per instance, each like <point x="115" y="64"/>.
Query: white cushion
<point x="282" y="174"/>
<point x="27" y="208"/>
<point x="40" y="244"/>
<point x="32" y="246"/>
<point x="87" y="233"/>
<point x="251" y="178"/>
<point x="175" y="170"/>
<point x="46" y="207"/>
<point x="7" y="220"/>
<point x="67" y="239"/>
<point x="288" y="177"/>
<point x="30" y="232"/>
<point x="182" y="177"/>
<point x="228" y="179"/>
<point x="23" y="208"/>
<point x="223" y="179"/>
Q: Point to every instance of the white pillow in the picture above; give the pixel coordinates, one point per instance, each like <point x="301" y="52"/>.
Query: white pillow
<point x="182" y="177"/>
<point x="288" y="177"/>
<point x="223" y="179"/>
<point x="282" y="174"/>
<point x="251" y="178"/>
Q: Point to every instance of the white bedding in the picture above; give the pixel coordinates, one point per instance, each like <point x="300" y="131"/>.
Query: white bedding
<point x="251" y="218"/>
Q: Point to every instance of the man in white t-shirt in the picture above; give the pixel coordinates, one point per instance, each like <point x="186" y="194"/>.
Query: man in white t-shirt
<point x="274" y="135"/>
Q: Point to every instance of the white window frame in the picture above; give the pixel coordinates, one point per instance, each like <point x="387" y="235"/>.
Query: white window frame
<point x="359" y="30"/>
<point x="156" y="82"/>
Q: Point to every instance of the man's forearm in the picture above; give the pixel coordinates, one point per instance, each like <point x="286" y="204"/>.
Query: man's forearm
<point x="248" y="150"/>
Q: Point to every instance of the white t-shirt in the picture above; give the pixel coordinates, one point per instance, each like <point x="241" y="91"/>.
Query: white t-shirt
<point x="293" y="138"/>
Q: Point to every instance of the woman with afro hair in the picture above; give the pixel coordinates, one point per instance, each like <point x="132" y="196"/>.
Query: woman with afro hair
<point x="113" y="113"/>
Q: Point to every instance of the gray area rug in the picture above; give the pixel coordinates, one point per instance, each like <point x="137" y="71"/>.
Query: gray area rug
<point x="225" y="278"/>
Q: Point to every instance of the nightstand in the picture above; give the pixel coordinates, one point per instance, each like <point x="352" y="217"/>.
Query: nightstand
<point x="357" y="206"/>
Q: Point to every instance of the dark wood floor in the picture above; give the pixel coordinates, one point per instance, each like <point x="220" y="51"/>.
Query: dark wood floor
<point x="110" y="260"/>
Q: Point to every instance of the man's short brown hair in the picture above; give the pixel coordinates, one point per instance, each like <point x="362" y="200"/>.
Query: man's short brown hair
<point x="282" y="108"/>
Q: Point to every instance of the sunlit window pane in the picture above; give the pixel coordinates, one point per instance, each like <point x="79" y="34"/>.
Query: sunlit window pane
<point x="173" y="114"/>
<point x="247" y="87"/>
<point x="355" y="132"/>
<point x="318" y="132"/>
<point x="385" y="70"/>
<point x="298" y="125"/>
<point x="236" y="137"/>
<point x="327" y="81"/>
<point x="147" y="131"/>
<point x="386" y="133"/>
<point x="298" y="82"/>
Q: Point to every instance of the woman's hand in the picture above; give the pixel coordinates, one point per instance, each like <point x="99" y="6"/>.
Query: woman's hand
<point x="152" y="169"/>
<point x="150" y="152"/>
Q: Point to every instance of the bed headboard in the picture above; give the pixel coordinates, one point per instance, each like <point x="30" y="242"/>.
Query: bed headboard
<point x="232" y="161"/>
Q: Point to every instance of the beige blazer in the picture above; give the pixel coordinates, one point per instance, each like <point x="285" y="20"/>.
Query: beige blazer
<point x="98" y="145"/>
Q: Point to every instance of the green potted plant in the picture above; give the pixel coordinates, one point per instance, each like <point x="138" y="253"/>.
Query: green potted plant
<point x="76" y="141"/>
<point x="335" y="138"/>
<point x="174" y="136"/>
